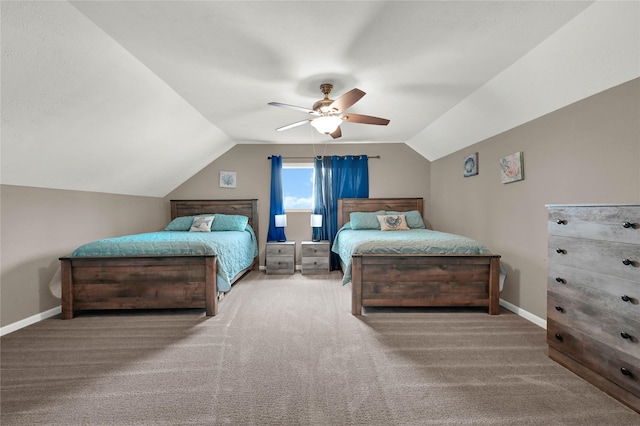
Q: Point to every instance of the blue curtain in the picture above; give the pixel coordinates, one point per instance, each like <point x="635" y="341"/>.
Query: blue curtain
<point x="276" y="200"/>
<point x="337" y="177"/>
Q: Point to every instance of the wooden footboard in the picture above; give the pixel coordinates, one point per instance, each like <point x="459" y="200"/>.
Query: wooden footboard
<point x="139" y="283"/>
<point x="425" y="280"/>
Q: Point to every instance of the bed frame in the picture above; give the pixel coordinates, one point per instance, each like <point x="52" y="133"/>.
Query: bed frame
<point x="418" y="279"/>
<point x="152" y="282"/>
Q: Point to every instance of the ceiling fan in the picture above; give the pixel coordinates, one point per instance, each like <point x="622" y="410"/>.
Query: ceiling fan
<point x="329" y="114"/>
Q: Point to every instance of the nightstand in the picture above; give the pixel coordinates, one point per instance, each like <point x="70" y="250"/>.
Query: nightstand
<point x="315" y="257"/>
<point x="281" y="257"/>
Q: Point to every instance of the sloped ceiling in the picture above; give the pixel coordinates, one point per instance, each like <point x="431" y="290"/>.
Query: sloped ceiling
<point x="135" y="97"/>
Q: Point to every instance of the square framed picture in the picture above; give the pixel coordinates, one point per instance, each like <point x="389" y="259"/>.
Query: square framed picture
<point x="471" y="165"/>
<point x="227" y="179"/>
<point x="511" y="168"/>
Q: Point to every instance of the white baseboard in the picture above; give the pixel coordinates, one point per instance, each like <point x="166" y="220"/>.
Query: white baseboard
<point x="540" y="322"/>
<point x="29" y="321"/>
<point x="55" y="311"/>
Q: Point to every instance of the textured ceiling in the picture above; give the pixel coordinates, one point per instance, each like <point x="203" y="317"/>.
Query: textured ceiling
<point x="135" y="97"/>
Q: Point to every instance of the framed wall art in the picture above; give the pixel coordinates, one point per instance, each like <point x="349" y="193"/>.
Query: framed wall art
<point x="227" y="179"/>
<point x="471" y="165"/>
<point x="511" y="168"/>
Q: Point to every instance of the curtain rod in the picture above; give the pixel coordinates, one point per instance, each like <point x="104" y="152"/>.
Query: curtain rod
<point x="319" y="156"/>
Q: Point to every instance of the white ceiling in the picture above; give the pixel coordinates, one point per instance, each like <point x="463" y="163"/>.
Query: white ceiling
<point x="135" y="97"/>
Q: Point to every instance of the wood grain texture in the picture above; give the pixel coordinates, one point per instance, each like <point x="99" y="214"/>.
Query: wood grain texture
<point x="593" y="293"/>
<point x="418" y="279"/>
<point x="151" y="282"/>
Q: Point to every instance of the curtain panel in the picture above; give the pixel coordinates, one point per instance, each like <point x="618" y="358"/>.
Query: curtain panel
<point x="337" y="177"/>
<point x="276" y="200"/>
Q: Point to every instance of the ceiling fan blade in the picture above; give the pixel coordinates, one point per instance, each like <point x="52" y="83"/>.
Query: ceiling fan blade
<point x="336" y="133"/>
<point x="292" y="125"/>
<point x="345" y="101"/>
<point x="293" y="107"/>
<point x="364" y="119"/>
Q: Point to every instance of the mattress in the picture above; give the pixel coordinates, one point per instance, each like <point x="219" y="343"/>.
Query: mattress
<point x="235" y="250"/>
<point x="415" y="241"/>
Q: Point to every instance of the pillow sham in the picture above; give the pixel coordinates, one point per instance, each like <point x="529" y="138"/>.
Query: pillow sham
<point x="365" y="220"/>
<point x="393" y="222"/>
<point x="182" y="223"/>
<point x="201" y="224"/>
<point x="229" y="222"/>
<point x="413" y="218"/>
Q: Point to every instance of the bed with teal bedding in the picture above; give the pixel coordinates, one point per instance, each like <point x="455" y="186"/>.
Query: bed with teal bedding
<point x="169" y="269"/>
<point x="412" y="267"/>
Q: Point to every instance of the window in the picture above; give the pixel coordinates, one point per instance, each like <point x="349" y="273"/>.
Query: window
<point x="297" y="185"/>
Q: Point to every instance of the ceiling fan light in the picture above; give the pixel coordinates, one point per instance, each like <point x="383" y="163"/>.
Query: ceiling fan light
<point x="326" y="124"/>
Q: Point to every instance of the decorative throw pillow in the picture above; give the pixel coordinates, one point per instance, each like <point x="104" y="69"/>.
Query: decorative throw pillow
<point x="182" y="223"/>
<point x="393" y="222"/>
<point x="365" y="220"/>
<point x="413" y="218"/>
<point x="201" y="224"/>
<point x="229" y="222"/>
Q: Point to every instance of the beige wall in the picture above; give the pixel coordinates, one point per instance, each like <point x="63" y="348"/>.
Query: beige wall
<point x="40" y="225"/>
<point x="588" y="152"/>
<point x="400" y="172"/>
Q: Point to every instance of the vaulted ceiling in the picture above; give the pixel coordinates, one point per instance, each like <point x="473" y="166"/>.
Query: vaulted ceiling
<point x="135" y="97"/>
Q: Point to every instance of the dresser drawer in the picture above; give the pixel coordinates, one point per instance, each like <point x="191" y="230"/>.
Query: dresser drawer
<point x="611" y="293"/>
<point x="610" y="223"/>
<point x="617" y="259"/>
<point x="608" y="327"/>
<point x="618" y="367"/>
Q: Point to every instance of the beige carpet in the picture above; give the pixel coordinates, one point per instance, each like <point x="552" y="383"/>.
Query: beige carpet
<point x="286" y="350"/>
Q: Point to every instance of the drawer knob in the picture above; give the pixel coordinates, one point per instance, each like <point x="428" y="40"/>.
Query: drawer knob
<point x="561" y="251"/>
<point x="626" y="372"/>
<point x="559" y="309"/>
<point x="561" y="222"/>
<point x="625" y="335"/>
<point x="625" y="298"/>
<point x="561" y="280"/>
<point x="559" y="336"/>
<point x="627" y="225"/>
<point x="627" y="262"/>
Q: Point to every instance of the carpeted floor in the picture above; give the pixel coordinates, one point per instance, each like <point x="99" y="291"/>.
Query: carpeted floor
<point x="285" y="350"/>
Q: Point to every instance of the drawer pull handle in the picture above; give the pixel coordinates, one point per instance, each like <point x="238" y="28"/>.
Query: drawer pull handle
<point x="627" y="262"/>
<point x="626" y="372"/>
<point x="562" y="251"/>
<point x="559" y="336"/>
<point x="625" y="335"/>
<point x="625" y="298"/>
<point x="561" y="280"/>
<point x="628" y="225"/>
<point x="561" y="222"/>
<point x="559" y="309"/>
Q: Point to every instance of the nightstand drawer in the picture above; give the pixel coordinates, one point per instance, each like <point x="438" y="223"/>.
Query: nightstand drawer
<point x="280" y="257"/>
<point x="280" y="249"/>
<point x="315" y="257"/>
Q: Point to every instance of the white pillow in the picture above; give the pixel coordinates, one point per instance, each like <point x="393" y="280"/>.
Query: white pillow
<point x="201" y="224"/>
<point x="393" y="222"/>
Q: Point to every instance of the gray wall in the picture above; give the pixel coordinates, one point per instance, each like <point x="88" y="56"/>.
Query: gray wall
<point x="40" y="225"/>
<point x="588" y="152"/>
<point x="400" y="172"/>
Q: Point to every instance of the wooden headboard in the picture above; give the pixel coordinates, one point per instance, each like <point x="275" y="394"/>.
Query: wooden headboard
<point x="247" y="208"/>
<point x="348" y="205"/>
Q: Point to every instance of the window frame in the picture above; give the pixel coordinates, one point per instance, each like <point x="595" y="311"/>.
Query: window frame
<point x="298" y="165"/>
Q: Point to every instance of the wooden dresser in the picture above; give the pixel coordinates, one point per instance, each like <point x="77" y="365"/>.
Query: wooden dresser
<point x="281" y="257"/>
<point x="593" y="295"/>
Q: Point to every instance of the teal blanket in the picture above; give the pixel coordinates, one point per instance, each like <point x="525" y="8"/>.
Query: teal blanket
<point x="235" y="250"/>
<point x="365" y="241"/>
